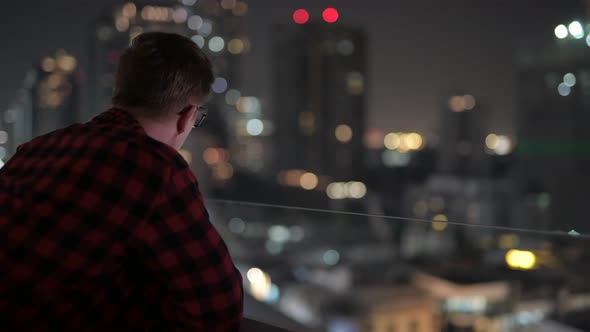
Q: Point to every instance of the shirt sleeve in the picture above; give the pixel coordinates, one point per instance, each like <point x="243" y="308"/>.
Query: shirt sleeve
<point x="185" y="252"/>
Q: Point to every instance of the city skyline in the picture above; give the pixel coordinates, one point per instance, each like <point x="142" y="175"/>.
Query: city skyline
<point x="474" y="46"/>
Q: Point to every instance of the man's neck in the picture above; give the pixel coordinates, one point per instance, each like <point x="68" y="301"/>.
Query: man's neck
<point x="157" y="129"/>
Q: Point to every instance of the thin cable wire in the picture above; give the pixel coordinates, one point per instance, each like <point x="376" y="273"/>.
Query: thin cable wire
<point x="358" y="214"/>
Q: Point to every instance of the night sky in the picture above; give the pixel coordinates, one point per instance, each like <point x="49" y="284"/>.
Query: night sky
<point x="419" y="51"/>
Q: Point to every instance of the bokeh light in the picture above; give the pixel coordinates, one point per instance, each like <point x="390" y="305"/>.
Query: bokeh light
<point x="219" y="85"/>
<point x="122" y="23"/>
<point x="206" y="28"/>
<point x="343" y="133"/>
<point x="228" y="4"/>
<point x="336" y="191"/>
<point x="240" y="9"/>
<point x="499" y="144"/>
<point x="129" y="10"/>
<point x="199" y="40"/>
<point x="223" y="171"/>
<point x="248" y="105"/>
<point x="301" y="16"/>
<point x="48" y="64"/>
<point x="440" y="222"/>
<point x="255" y="127"/>
<point x="331" y="257"/>
<point x="235" y="46"/>
<point x="469" y="102"/>
<point x="260" y="284"/>
<point x="355" y="83"/>
<point x="216" y="44"/>
<point x="413" y="141"/>
<point x="561" y="31"/>
<point x="330" y="15"/>
<point x="357" y="190"/>
<point x="569" y="79"/>
<point x="521" y="259"/>
<point x="195" y="22"/>
<point x="392" y="141"/>
<point x="374" y="139"/>
<point x="237" y="226"/>
<point x="309" y="181"/>
<point x="564" y="90"/>
<point x="576" y="29"/>
<point x="180" y="15"/>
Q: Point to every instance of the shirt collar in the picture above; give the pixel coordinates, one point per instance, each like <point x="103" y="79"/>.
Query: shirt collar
<point x="120" y="118"/>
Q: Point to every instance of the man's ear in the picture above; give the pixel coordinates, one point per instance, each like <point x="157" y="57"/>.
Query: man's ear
<point x="185" y="119"/>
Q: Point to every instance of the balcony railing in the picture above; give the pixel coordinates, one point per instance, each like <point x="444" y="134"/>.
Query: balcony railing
<point x="318" y="270"/>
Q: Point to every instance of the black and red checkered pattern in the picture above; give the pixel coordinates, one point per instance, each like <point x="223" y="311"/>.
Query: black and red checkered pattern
<point x="103" y="228"/>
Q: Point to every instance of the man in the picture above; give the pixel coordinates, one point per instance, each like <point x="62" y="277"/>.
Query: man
<point x="102" y="225"/>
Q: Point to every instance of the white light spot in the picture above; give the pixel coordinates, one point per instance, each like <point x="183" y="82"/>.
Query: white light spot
<point x="569" y="79"/>
<point x="255" y="127"/>
<point x="206" y="28"/>
<point x="564" y="90"/>
<point x="331" y="257"/>
<point x="195" y="22"/>
<point x="576" y="30"/>
<point x="336" y="191"/>
<point x="357" y="190"/>
<point x="503" y="146"/>
<point x="216" y="44"/>
<point x="561" y="31"/>
<point x="2" y="152"/>
<point x="279" y="233"/>
<point x="199" y="40"/>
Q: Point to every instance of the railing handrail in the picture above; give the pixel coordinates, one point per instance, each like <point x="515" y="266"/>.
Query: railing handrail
<point x="369" y="215"/>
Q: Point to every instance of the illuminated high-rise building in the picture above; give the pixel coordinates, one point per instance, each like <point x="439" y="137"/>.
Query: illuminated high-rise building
<point x="320" y="98"/>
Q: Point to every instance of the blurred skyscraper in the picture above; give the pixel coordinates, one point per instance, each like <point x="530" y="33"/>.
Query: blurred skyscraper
<point x="320" y="99"/>
<point x="553" y="152"/>
<point x="462" y="133"/>
<point x="48" y="100"/>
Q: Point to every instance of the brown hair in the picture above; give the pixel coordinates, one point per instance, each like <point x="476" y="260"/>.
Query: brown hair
<point x="160" y="71"/>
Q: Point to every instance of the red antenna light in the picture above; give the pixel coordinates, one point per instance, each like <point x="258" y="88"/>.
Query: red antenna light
<point x="300" y="16"/>
<point x="330" y="15"/>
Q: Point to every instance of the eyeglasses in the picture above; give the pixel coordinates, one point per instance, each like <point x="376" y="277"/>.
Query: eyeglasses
<point x="203" y="111"/>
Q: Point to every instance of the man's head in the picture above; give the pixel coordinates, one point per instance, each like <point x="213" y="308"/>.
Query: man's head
<point x="163" y="79"/>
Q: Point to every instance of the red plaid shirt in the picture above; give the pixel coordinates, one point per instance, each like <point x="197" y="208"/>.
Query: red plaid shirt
<point x="104" y="229"/>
